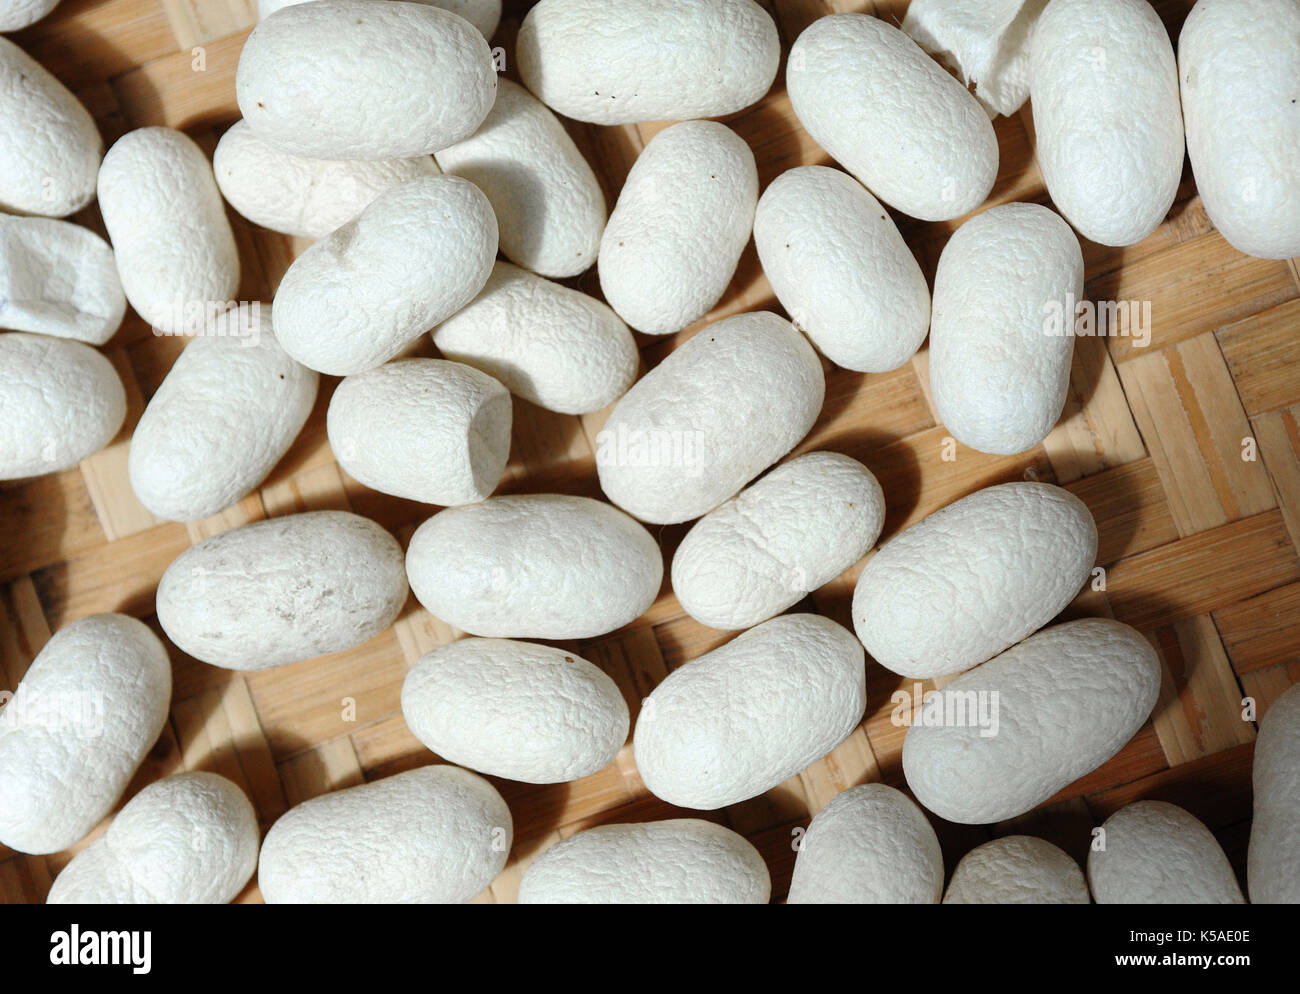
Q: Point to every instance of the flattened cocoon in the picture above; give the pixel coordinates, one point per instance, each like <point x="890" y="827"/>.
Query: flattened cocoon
<point x="553" y="346"/>
<point x="870" y="845"/>
<point x="1002" y="333"/>
<point x="727" y="726"/>
<point x="974" y="578"/>
<point x="60" y="402"/>
<point x="891" y="116"/>
<point x="353" y="79"/>
<point x="708" y="419"/>
<point x="679" y="861"/>
<point x="1017" y="869"/>
<point x="88" y="709"/>
<point x="58" y="278"/>
<point x="681" y="222"/>
<point x="1240" y="75"/>
<point x="548" y="203"/>
<point x="175" y="251"/>
<point x="418" y="254"/>
<point x="647" y="60"/>
<point x="1036" y="718"/>
<point x="841" y="270"/>
<point x="536" y="566"/>
<point x="436" y="835"/>
<point x="186" y="839"/>
<point x="1157" y="853"/>
<point x="49" y="144"/>
<point x="796" y="529"/>
<point x="281" y="590"/>
<point x="299" y="195"/>
<point x="1104" y="89"/>
<point x="517" y="710"/>
<point x="227" y="412"/>
<point x="1273" y="869"/>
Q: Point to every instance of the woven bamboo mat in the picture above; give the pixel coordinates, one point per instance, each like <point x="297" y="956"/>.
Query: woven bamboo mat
<point x="1187" y="451"/>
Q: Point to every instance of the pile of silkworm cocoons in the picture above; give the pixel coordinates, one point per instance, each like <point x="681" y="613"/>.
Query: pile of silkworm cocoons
<point x="444" y="200"/>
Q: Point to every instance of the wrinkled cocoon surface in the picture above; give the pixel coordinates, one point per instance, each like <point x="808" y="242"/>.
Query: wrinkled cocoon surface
<point x="870" y="845"/>
<point x="549" y="206"/>
<point x="647" y="60"/>
<point x="356" y="79"/>
<point x="15" y="14"/>
<point x="1017" y="869"/>
<point x="60" y="402"/>
<point x="87" y="711"/>
<point x="1240" y="74"/>
<point x="483" y="14"/>
<point x="281" y="590"/>
<point x="171" y="238"/>
<point x="998" y="378"/>
<point x="1157" y="853"/>
<point x="973" y="578"/>
<point x="888" y="113"/>
<point x="841" y="270"/>
<point x="49" y="144"/>
<point x="709" y="418"/>
<point x="1069" y="698"/>
<point x="436" y="835"/>
<point x="418" y="254"/>
<point x="424" y="429"/>
<point x="682" y="219"/>
<point x="299" y="195"/>
<point x="58" y="278"/>
<point x="1273" y="869"/>
<point x="517" y="710"/>
<point x="227" y="412"/>
<point x="535" y="566"/>
<point x="796" y="529"/>
<point x="186" y="839"/>
<point x="1104" y="89"/>
<point x="679" y="861"/>
<point x="551" y="345"/>
<point x="739" y="720"/>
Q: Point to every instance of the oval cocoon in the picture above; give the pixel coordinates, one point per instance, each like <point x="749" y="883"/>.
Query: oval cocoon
<point x="1002" y="332"/>
<point x="1067" y="699"/>
<point x="1104" y="89"/>
<point x="647" y="60"/>
<point x="16" y="14"/>
<point x="1273" y="868"/>
<point x="890" y="115"/>
<point x="60" y="401"/>
<point x="793" y="531"/>
<point x="726" y="727"/>
<point x="49" y="144"/>
<point x="483" y="14"/>
<point x="299" y="195"/>
<point x="709" y="418"/>
<point x="517" y="710"/>
<point x="418" y="254"/>
<point x="186" y="839"/>
<point x="281" y="590"/>
<point x="870" y="845"/>
<point x="227" y="412"/>
<point x="436" y="835"/>
<point x="1240" y="76"/>
<point x="174" y="248"/>
<point x="1157" y="853"/>
<point x="841" y="270"/>
<point x="974" y="578"/>
<point x="424" y="429"/>
<point x="535" y="566"/>
<point x="553" y="346"/>
<point x="681" y="221"/>
<point x="679" y="861"/>
<point x="550" y="208"/>
<point x="89" y="708"/>
<point x="1017" y="869"/>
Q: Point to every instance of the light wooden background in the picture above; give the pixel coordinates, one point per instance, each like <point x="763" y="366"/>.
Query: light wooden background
<point x="1199" y="544"/>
